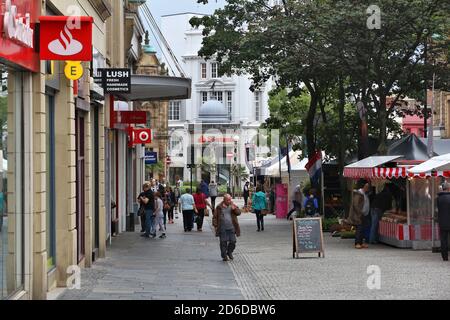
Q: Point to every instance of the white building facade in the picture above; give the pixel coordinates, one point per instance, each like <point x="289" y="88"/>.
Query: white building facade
<point x="236" y="117"/>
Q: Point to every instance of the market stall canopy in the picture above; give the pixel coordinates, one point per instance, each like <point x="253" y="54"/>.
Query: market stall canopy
<point x="274" y="169"/>
<point x="148" y="88"/>
<point x="365" y="167"/>
<point x="440" y="165"/>
<point x="410" y="147"/>
<point x="440" y="146"/>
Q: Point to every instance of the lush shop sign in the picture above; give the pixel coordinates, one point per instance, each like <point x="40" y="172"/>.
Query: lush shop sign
<point x="17" y="29"/>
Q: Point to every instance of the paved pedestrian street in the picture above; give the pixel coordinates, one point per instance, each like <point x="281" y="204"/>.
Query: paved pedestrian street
<point x="188" y="266"/>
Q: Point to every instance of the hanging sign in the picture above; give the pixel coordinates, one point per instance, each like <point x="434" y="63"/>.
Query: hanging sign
<point x="139" y="136"/>
<point x="66" y="38"/>
<point x="130" y="117"/>
<point x="114" y="80"/>
<point x="151" y="157"/>
<point x="73" y="70"/>
<point x="17" y="31"/>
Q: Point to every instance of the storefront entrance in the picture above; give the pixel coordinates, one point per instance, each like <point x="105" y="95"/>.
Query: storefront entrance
<point x="80" y="207"/>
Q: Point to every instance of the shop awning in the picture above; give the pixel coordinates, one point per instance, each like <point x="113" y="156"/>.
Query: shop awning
<point x="148" y="88"/>
<point x="364" y="168"/>
<point x="436" y="166"/>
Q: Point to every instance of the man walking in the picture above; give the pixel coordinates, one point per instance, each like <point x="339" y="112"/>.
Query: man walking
<point x="359" y="212"/>
<point x="226" y="225"/>
<point x="443" y="204"/>
<point x="296" y="201"/>
<point x="187" y="206"/>
<point x="246" y="193"/>
<point x="213" y="192"/>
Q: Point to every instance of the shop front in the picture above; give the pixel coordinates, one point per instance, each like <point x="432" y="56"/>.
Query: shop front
<point x="19" y="63"/>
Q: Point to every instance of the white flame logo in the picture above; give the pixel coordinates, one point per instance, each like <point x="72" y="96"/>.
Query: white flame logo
<point x="65" y="45"/>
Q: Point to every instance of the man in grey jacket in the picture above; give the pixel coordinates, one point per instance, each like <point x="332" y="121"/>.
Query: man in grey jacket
<point x="443" y="204"/>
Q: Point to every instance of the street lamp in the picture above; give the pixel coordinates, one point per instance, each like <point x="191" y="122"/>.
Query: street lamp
<point x="236" y="140"/>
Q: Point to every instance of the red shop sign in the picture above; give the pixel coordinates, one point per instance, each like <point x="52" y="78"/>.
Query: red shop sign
<point x="139" y="136"/>
<point x="17" y="27"/>
<point x="131" y="117"/>
<point x="66" y="38"/>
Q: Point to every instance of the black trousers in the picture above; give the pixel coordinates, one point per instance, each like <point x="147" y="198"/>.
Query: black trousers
<point x="359" y="235"/>
<point x="213" y="202"/>
<point x="297" y="206"/>
<point x="143" y="222"/>
<point x="259" y="220"/>
<point x="171" y="212"/>
<point x="444" y="243"/>
<point x="245" y="199"/>
<point x="188" y="217"/>
<point x="200" y="217"/>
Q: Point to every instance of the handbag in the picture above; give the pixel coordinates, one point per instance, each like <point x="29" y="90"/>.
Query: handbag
<point x="264" y="212"/>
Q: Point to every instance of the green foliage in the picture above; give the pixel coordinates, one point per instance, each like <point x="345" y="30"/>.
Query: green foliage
<point x="328" y="222"/>
<point x="314" y="45"/>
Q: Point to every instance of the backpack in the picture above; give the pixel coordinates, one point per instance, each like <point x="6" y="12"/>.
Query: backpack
<point x="310" y="209"/>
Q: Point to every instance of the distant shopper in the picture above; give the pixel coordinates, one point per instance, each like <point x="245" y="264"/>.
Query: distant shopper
<point x="159" y="216"/>
<point x="296" y="201"/>
<point x="359" y="212"/>
<point x="381" y="203"/>
<point x="200" y="203"/>
<point x="443" y="204"/>
<point x="171" y="202"/>
<point x="204" y="188"/>
<point x="259" y="205"/>
<point x="246" y="193"/>
<point x="226" y="225"/>
<point x="311" y="204"/>
<point x="187" y="206"/>
<point x="213" y="193"/>
<point x="145" y="188"/>
<point x="147" y="198"/>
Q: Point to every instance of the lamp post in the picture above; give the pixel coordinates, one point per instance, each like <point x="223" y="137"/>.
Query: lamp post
<point x="236" y="140"/>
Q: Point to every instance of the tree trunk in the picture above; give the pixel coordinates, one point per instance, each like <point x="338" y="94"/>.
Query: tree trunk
<point x="341" y="154"/>
<point x="382" y="116"/>
<point x="310" y="138"/>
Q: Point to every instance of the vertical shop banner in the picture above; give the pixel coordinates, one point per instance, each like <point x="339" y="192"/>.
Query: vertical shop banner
<point x="18" y="20"/>
<point x="66" y="38"/>
<point x="281" y="192"/>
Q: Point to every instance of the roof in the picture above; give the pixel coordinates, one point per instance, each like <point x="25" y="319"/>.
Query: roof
<point x="440" y="146"/>
<point x="372" y="162"/>
<point x="410" y="147"/>
<point x="148" y="88"/>
<point x="439" y="163"/>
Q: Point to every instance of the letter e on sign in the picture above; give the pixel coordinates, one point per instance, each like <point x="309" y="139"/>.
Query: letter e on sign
<point x="73" y="70"/>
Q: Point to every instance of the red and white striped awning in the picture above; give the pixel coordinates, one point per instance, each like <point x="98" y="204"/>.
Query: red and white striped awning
<point x="389" y="173"/>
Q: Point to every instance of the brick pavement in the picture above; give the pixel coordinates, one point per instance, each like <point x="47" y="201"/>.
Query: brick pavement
<point x="188" y="266"/>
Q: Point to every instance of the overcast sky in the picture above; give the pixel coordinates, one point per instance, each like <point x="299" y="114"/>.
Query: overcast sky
<point x="163" y="7"/>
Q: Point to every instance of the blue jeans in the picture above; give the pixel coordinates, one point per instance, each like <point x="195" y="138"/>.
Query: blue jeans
<point x="375" y="214"/>
<point x="149" y="222"/>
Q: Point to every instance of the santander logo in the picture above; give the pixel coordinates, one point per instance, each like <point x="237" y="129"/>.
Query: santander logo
<point x="65" y="45"/>
<point x="17" y="27"/>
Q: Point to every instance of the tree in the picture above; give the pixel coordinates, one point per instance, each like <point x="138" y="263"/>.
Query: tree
<point x="324" y="45"/>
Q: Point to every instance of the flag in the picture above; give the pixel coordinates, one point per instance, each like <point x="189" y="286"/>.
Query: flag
<point x="314" y="167"/>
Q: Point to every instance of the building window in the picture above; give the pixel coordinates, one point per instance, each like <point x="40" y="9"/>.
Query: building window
<point x="204" y="96"/>
<point x="174" y="110"/>
<point x="257" y="106"/>
<point x="203" y="70"/>
<point x="216" y="95"/>
<point x="214" y="71"/>
<point x="176" y="146"/>
<point x="230" y="103"/>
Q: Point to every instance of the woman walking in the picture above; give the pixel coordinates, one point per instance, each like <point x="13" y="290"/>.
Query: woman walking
<point x="171" y="201"/>
<point x="200" y="203"/>
<point x="159" y="216"/>
<point x="259" y="203"/>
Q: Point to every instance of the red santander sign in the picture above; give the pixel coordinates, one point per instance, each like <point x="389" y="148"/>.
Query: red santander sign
<point x="66" y="38"/>
<point x="139" y="136"/>
<point x="17" y="30"/>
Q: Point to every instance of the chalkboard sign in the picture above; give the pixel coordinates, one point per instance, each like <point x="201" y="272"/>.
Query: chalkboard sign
<point x="307" y="236"/>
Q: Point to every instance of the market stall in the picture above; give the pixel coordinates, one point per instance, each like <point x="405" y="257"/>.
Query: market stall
<point x="434" y="172"/>
<point x="409" y="224"/>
